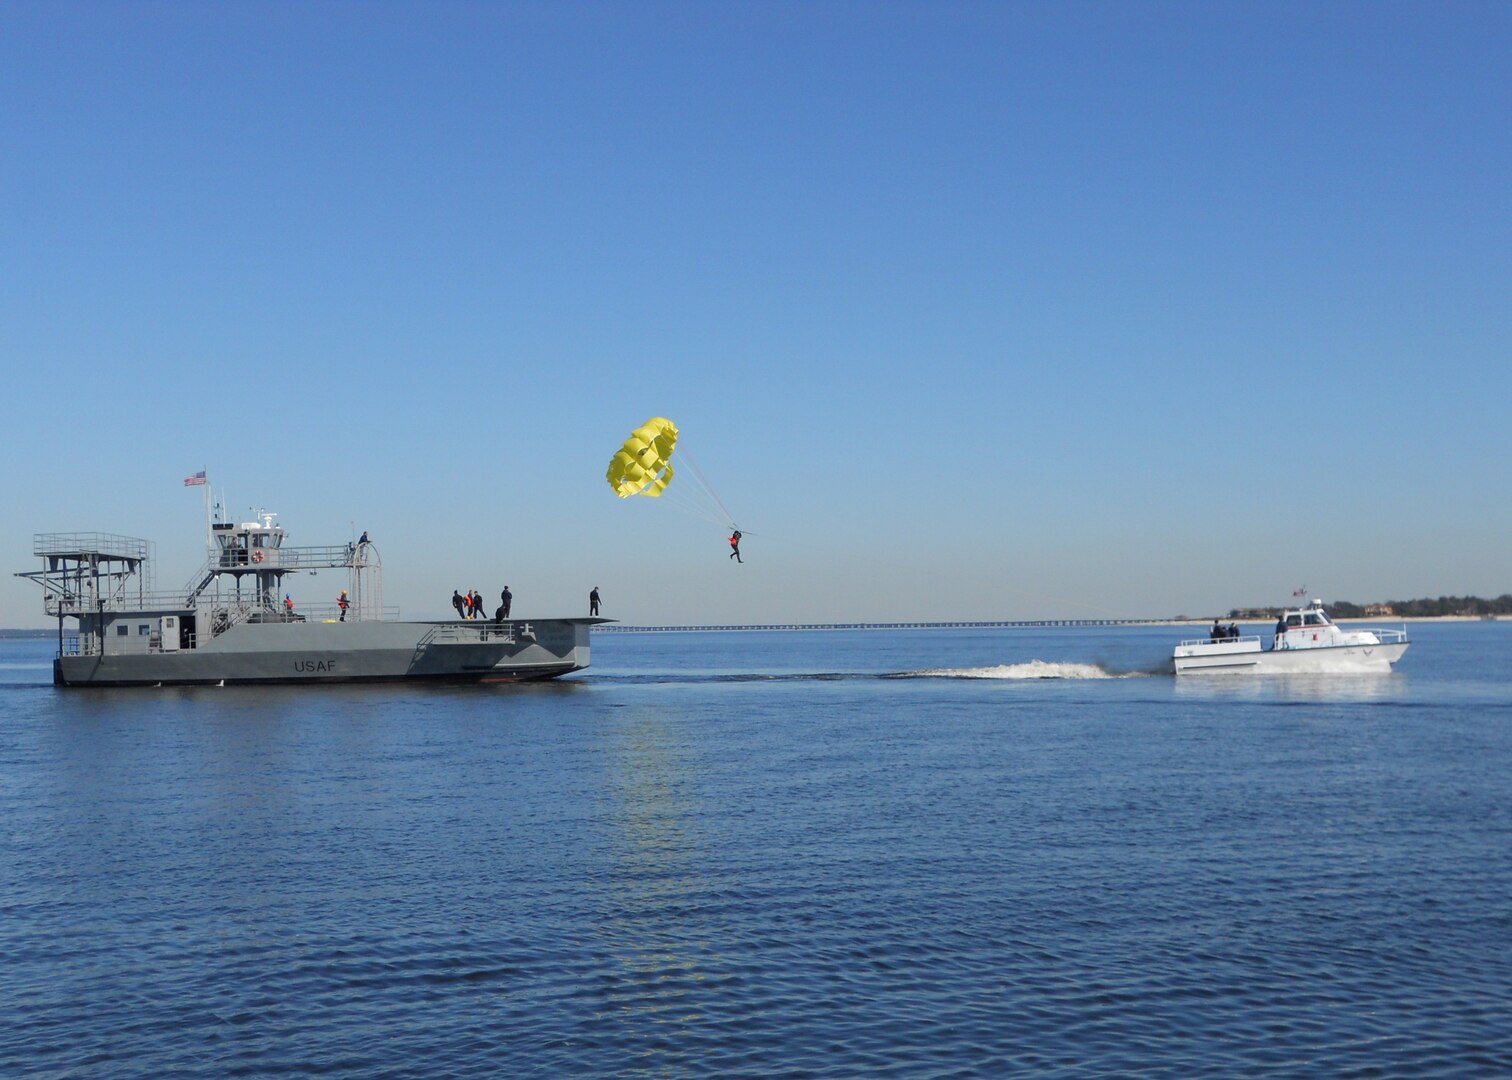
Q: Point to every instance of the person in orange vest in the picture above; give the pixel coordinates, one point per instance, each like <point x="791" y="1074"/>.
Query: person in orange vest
<point x="288" y="604"/>
<point x="735" y="546"/>
<point x="341" y="602"/>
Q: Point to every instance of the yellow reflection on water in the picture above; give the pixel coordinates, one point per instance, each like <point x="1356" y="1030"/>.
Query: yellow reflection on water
<point x="656" y="880"/>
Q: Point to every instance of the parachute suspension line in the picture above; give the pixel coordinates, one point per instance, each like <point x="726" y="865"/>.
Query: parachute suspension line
<point x="701" y="512"/>
<point x="682" y="451"/>
<point x="692" y="500"/>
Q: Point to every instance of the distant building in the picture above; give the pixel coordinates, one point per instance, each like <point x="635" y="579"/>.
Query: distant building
<point x="1373" y="611"/>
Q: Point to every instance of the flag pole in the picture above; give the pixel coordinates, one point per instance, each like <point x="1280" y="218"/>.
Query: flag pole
<point x="200" y="479"/>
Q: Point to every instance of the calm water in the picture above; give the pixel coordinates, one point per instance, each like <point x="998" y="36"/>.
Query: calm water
<point x="754" y="855"/>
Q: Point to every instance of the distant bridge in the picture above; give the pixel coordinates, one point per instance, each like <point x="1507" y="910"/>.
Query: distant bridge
<point x="615" y="628"/>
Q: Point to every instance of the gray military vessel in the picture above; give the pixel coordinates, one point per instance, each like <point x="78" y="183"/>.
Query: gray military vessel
<point x="231" y="625"/>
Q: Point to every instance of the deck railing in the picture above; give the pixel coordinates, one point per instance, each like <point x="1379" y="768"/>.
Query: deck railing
<point x="320" y="557"/>
<point x="206" y="606"/>
<point x="1221" y="641"/>
<point x="476" y="631"/>
<point x="112" y="545"/>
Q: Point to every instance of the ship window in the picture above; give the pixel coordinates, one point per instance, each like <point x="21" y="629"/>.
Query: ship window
<point x="1293" y="620"/>
<point x="1313" y="619"/>
<point x="143" y="629"/>
<point x="122" y="630"/>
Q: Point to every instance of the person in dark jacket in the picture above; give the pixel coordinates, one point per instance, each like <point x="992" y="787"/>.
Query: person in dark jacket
<point x="593" y="601"/>
<point x="460" y="603"/>
<point x="505" y="599"/>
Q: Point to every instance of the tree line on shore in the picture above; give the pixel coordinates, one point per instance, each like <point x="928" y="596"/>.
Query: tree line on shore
<point x="1425" y="608"/>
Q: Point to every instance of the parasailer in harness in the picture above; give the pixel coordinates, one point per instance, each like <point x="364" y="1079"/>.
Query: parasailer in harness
<point x="735" y="546"/>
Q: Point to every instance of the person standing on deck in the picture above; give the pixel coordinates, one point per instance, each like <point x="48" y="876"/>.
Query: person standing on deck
<point x="460" y="604"/>
<point x="593" y="601"/>
<point x="505" y="599"/>
<point x="341" y="602"/>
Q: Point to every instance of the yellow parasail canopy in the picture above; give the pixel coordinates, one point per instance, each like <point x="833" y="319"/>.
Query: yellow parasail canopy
<point x="643" y="465"/>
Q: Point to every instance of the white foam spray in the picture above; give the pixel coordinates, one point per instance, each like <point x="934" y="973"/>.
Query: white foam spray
<point x="1034" y="669"/>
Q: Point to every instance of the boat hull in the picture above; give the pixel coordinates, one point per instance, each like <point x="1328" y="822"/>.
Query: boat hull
<point x="273" y="653"/>
<point x="1247" y="658"/>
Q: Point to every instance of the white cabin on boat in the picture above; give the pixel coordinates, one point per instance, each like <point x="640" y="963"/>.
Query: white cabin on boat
<point x="1306" y="628"/>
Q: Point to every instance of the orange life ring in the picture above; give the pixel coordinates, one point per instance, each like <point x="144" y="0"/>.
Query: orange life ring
<point x="257" y="556"/>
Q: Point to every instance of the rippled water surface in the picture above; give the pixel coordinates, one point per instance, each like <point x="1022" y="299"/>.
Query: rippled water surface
<point x="769" y="855"/>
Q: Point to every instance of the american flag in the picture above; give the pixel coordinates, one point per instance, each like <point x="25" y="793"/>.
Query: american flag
<point x="1295" y="592"/>
<point x="196" y="480"/>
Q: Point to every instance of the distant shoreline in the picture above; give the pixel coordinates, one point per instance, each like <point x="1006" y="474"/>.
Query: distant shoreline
<point x="23" y="634"/>
<point x="1009" y="624"/>
<point x="1365" y="619"/>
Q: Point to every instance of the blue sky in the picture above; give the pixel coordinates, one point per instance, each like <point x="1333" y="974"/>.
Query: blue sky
<point x="964" y="310"/>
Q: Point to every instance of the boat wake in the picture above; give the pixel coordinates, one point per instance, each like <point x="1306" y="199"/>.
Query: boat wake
<point x="1034" y="669"/>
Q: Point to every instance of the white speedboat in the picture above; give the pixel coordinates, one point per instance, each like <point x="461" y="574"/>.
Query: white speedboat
<point x="1305" y="640"/>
